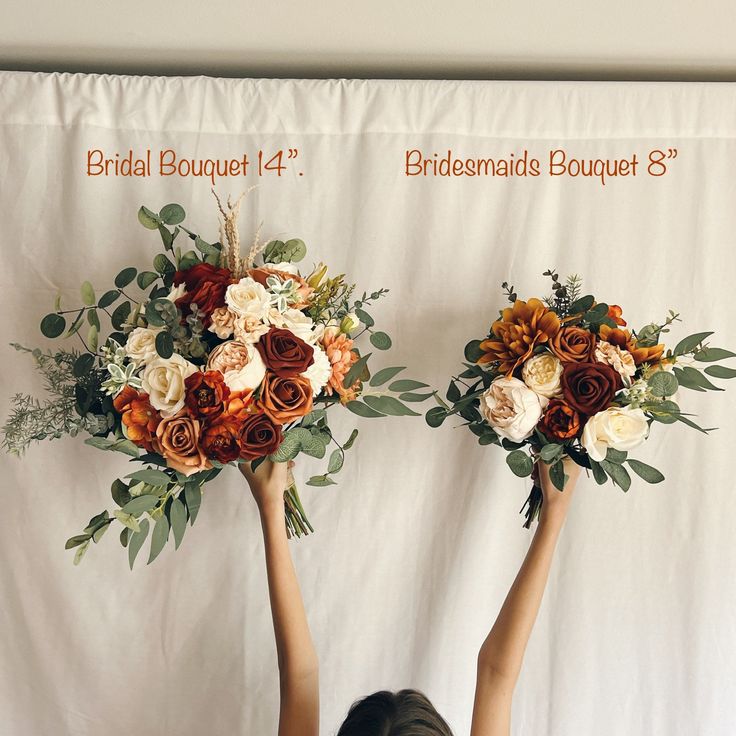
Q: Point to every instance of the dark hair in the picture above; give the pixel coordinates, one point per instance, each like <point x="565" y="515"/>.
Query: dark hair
<point x="405" y="713"/>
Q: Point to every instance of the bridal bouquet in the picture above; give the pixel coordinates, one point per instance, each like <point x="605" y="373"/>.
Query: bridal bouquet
<point x="213" y="359"/>
<point x="564" y="376"/>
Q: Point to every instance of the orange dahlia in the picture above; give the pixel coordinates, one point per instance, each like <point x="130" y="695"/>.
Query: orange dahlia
<point x="614" y="313"/>
<point x="513" y="337"/>
<point x="341" y="356"/>
<point x="139" y="418"/>
<point x="626" y="341"/>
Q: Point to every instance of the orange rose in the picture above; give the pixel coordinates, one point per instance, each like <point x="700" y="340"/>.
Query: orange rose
<point x="240" y="404"/>
<point x="339" y="349"/>
<point x="560" y="421"/>
<point x="221" y="439"/>
<point x="573" y="345"/>
<point x="285" y="399"/>
<point x="625" y="340"/>
<point x="139" y="418"/>
<point x="513" y="337"/>
<point x="206" y="394"/>
<point x="177" y="439"/>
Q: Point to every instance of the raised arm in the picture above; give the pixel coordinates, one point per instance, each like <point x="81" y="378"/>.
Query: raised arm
<point x="298" y="667"/>
<point x="502" y="653"/>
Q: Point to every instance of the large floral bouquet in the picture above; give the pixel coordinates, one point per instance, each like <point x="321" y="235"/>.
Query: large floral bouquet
<point x="218" y="359"/>
<point x="566" y="377"/>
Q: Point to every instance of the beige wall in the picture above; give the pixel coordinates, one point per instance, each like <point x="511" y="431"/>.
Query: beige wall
<point x="467" y="38"/>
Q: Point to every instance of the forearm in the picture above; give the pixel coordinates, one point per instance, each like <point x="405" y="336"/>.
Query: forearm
<point x="503" y="650"/>
<point x="296" y="654"/>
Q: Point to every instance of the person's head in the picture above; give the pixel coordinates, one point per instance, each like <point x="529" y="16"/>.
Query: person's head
<point x="405" y="713"/>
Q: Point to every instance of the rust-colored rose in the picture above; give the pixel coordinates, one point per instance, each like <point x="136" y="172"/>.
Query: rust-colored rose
<point x="284" y="353"/>
<point x="221" y="439"/>
<point x="205" y="286"/>
<point x="559" y="421"/>
<point x="285" y="399"/>
<point x="626" y="341"/>
<point x="177" y="439"/>
<point x="206" y="394"/>
<point x="138" y="416"/>
<point x="259" y="436"/>
<point x="513" y="337"/>
<point x="589" y="387"/>
<point x="573" y="345"/>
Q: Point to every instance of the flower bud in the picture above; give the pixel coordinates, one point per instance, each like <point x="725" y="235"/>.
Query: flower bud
<point x="349" y="323"/>
<point x="314" y="279"/>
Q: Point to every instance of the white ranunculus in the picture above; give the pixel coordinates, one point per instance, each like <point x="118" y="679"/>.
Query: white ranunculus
<point x="141" y="344"/>
<point x="296" y="321"/>
<point x="249" y="376"/>
<point x="284" y="267"/>
<point x="248" y="298"/>
<point x="620" y="427"/>
<point x="163" y="380"/>
<point x="320" y="371"/>
<point x="542" y="374"/>
<point x="512" y="408"/>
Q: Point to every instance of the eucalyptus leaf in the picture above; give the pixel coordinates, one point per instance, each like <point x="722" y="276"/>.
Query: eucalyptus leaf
<point x="125" y="277"/>
<point x="557" y="475"/>
<point x="646" y="472"/>
<point x="136" y="540"/>
<point x="356" y="370"/>
<point x="193" y="497"/>
<point x="164" y="344"/>
<point x="709" y="355"/>
<point x="359" y="408"/>
<point x="145" y="279"/>
<point x="350" y="440"/>
<point x="380" y="340"/>
<point x="618" y="474"/>
<point x="689" y="343"/>
<point x="385" y="375"/>
<point x="52" y="325"/>
<point x="150" y="476"/>
<point x="147" y="218"/>
<point x="336" y="461"/>
<point x="389" y="405"/>
<point x="140" y="504"/>
<point x="320" y="481"/>
<point x="435" y="416"/>
<point x="120" y="315"/>
<point x="178" y="514"/>
<point x="159" y="537"/>
<point x="720" y="371"/>
<point x="406" y="384"/>
<point x="520" y="463"/>
<point x="473" y="353"/>
<point x="172" y="214"/>
<point x="77" y="540"/>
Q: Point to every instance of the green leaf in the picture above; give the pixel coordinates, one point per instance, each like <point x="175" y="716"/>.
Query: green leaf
<point x="150" y="476"/>
<point x="125" y="277"/>
<point x="472" y="352"/>
<point x="720" y="371"/>
<point x="662" y="383"/>
<point x="351" y="440"/>
<point x="364" y="317"/>
<point x="618" y="474"/>
<point x="193" y="497"/>
<point x="435" y="416"/>
<point x="92" y="335"/>
<point x="108" y="298"/>
<point x="582" y="305"/>
<point x="83" y="365"/>
<point x="127" y="520"/>
<point x="88" y="294"/>
<point x="389" y="405"/>
<point x="76" y="324"/>
<point x="336" y="461"/>
<point x="356" y="370"/>
<point x="385" y="375"/>
<point x="147" y="218"/>
<point x="646" y="472"/>
<point x="406" y="385"/>
<point x="205" y="248"/>
<point x="145" y="279"/>
<point x="415" y="397"/>
<point x="557" y="475"/>
<point x="288" y="449"/>
<point x="598" y="473"/>
<point x="52" y="325"/>
<point x="709" y="355"/>
<point x="120" y="315"/>
<point x="616" y="456"/>
<point x="135" y="541"/>
<point x="696" y="377"/>
<point x="172" y="214"/>
<point x="691" y="423"/>
<point x="93" y="319"/>
<point x="99" y="532"/>
<point x="140" y="504"/>
<point x="520" y="463"/>
<point x="362" y="410"/>
<point x="166" y="237"/>
<point x="178" y="514"/>
<point x="320" y="481"/>
<point x="380" y="340"/>
<point x="164" y="344"/>
<point x="690" y="342"/>
<point x="551" y="451"/>
<point x="77" y="540"/>
<point x="119" y="492"/>
<point x="159" y="537"/>
<point x="81" y="552"/>
<point x="163" y="265"/>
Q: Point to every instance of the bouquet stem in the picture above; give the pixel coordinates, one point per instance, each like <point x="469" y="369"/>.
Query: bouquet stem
<point x="297" y="523"/>
<point x="533" y="505"/>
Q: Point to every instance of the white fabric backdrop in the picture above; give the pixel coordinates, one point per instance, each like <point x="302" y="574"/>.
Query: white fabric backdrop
<point x="416" y="547"/>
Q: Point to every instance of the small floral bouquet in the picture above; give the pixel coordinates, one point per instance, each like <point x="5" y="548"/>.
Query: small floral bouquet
<point x="218" y="359"/>
<point x="565" y="377"/>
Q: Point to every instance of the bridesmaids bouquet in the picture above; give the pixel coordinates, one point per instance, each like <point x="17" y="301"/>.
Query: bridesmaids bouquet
<point x="212" y="359"/>
<point x="565" y="376"/>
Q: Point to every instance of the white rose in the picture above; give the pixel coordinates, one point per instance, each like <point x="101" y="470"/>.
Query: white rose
<point x="512" y="408"/>
<point x="622" y="428"/>
<point x="621" y="360"/>
<point x="141" y="344"/>
<point x="284" y="267"/>
<point x="320" y="371"/>
<point x="542" y="374"/>
<point x="163" y="380"/>
<point x="176" y="293"/>
<point x="248" y="299"/>
<point x="296" y="321"/>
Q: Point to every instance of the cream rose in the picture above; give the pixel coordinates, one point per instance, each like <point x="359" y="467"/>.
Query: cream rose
<point x="621" y="360"/>
<point x="622" y="428"/>
<point x="320" y="371"/>
<point x="163" y="380"/>
<point x="296" y="321"/>
<point x="512" y="408"/>
<point x="248" y="298"/>
<point x="141" y="344"/>
<point x="222" y="322"/>
<point x="542" y="374"/>
<point x="240" y="363"/>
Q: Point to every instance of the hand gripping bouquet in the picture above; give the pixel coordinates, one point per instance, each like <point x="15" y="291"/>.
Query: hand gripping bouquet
<point x="565" y="376"/>
<point x="214" y="359"/>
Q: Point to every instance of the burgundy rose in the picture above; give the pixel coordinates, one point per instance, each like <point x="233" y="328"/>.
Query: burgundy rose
<point x="589" y="387"/>
<point x="205" y="286"/>
<point x="284" y="353"/>
<point x="259" y="436"/>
